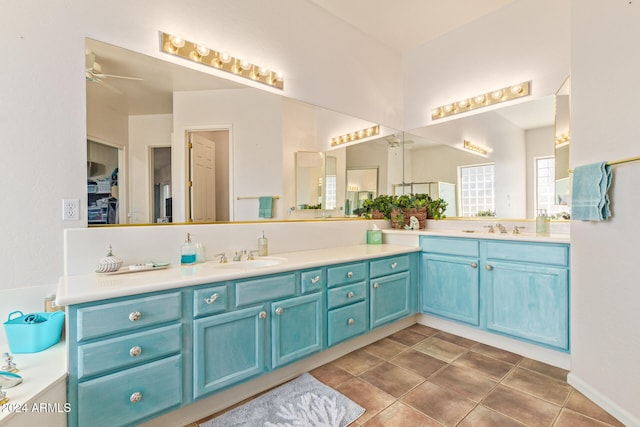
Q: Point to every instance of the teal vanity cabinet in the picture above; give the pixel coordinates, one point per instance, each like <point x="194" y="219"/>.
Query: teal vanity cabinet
<point x="126" y="359"/>
<point x="527" y="291"/>
<point x="450" y="278"/>
<point x="515" y="288"/>
<point x="264" y="324"/>
<point x="392" y="295"/>
<point x="347" y="301"/>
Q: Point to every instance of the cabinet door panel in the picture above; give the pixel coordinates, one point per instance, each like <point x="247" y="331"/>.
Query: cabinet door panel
<point x="346" y="322"/>
<point x="529" y="302"/>
<point x="390" y="298"/>
<point x="227" y="349"/>
<point x="451" y="287"/>
<point x="296" y="328"/>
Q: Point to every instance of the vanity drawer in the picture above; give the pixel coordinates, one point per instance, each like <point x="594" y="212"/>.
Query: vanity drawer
<point x="123" y="316"/>
<point x="390" y="265"/>
<point x="346" y="322"/>
<point x="265" y="289"/>
<point x="451" y="246"/>
<point x="541" y="253"/>
<point x="209" y="300"/>
<point x="348" y="273"/>
<point x="124" y="352"/>
<point x="348" y="294"/>
<point x="311" y="281"/>
<point x="130" y="395"/>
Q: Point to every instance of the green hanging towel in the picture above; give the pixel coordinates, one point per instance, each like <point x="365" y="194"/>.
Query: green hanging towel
<point x="265" y="207"/>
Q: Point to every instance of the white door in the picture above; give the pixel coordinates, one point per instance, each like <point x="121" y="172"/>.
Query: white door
<point x="203" y="178"/>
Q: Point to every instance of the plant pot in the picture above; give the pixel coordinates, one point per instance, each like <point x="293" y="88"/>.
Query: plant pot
<point x="376" y="214"/>
<point x="419" y="213"/>
<point x="395" y="213"/>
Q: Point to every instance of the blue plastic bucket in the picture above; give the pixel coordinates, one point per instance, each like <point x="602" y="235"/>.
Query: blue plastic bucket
<point x="31" y="333"/>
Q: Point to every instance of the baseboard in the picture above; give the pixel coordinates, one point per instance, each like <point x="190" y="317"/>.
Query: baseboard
<point x="605" y="403"/>
<point x="532" y="351"/>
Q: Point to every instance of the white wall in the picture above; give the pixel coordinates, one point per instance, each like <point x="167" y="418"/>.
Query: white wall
<point x="605" y="342"/>
<point x="539" y="143"/>
<point x="527" y="40"/>
<point x="144" y="132"/>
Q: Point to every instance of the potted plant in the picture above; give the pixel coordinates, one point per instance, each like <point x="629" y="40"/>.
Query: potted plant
<point x="379" y="207"/>
<point x="436" y="208"/>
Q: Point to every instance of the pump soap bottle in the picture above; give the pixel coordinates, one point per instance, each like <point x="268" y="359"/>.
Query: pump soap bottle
<point x="263" y="245"/>
<point x="542" y="223"/>
<point x="188" y="251"/>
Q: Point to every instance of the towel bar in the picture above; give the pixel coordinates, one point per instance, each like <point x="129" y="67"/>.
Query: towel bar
<point x="617" y="162"/>
<point x="254" y="197"/>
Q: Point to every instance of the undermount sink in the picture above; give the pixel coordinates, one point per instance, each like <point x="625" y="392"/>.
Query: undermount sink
<point x="255" y="263"/>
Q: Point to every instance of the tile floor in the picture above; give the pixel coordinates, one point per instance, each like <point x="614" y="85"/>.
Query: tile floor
<point x="421" y="376"/>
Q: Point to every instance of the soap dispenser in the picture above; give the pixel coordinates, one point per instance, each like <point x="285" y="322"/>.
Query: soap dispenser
<point x="263" y="245"/>
<point x="188" y="251"/>
<point x="542" y="223"/>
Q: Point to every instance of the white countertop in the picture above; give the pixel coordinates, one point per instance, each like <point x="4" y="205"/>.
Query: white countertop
<point x="39" y="372"/>
<point x="95" y="286"/>
<point x="475" y="234"/>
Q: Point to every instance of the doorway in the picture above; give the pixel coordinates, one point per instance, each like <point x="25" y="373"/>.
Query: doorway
<point x="104" y="174"/>
<point x="161" y="196"/>
<point x="208" y="175"/>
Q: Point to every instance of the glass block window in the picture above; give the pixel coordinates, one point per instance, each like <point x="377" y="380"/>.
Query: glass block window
<point x="545" y="186"/>
<point x="332" y="186"/>
<point x="477" y="190"/>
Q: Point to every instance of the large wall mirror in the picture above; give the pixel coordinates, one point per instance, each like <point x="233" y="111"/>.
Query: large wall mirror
<point x="507" y="173"/>
<point x="175" y="128"/>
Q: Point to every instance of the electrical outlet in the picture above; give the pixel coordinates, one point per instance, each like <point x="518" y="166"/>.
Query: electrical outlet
<point x="70" y="209"/>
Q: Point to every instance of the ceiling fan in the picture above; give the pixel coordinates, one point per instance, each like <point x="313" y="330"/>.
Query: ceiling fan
<point x="93" y="72"/>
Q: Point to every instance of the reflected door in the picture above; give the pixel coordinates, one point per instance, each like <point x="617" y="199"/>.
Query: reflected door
<point x="203" y="178"/>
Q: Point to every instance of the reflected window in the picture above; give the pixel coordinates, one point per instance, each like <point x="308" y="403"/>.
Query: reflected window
<point x="546" y="186"/>
<point x="477" y="190"/>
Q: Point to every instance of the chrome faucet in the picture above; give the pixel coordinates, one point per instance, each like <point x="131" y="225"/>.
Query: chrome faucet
<point x="501" y="228"/>
<point x="251" y="255"/>
<point x="490" y="227"/>
<point x="240" y="255"/>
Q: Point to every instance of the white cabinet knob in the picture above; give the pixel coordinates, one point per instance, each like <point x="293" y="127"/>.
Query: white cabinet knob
<point x="135" y="351"/>
<point x="350" y="274"/>
<point x="262" y="315"/>
<point x="488" y="267"/>
<point x="351" y="321"/>
<point x="315" y="280"/>
<point x="350" y="295"/>
<point x="474" y="265"/>
<point x="376" y="285"/>
<point x="279" y="311"/>
<point x="134" y="316"/>
<point x="135" y="397"/>
<point x="394" y="265"/>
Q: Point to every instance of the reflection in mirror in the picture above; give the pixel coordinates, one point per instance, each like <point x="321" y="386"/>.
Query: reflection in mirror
<point x="562" y="140"/>
<point x="309" y="171"/>
<point x="510" y="181"/>
<point x="166" y="102"/>
<point x="160" y="159"/>
<point x="362" y="184"/>
<point x="103" y="195"/>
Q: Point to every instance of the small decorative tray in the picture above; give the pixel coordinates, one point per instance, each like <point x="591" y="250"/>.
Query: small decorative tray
<point x="137" y="268"/>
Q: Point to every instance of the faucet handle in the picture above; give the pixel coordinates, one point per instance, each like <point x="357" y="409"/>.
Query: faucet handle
<point x="251" y="256"/>
<point x="490" y="227"/>
<point x="223" y="258"/>
<point x="516" y="229"/>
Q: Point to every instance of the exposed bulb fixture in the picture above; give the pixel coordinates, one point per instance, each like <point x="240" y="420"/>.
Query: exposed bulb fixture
<point x="475" y="148"/>
<point x="222" y="60"/>
<point x="493" y="97"/>
<point x="355" y="136"/>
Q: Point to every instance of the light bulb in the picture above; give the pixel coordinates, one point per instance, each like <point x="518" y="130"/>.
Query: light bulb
<point x="463" y="104"/>
<point x="480" y="99"/>
<point x="263" y="71"/>
<point x="279" y="76"/>
<point x="497" y="94"/>
<point x="435" y="112"/>
<point x="202" y="50"/>
<point x="177" y="41"/>
<point x="516" y="89"/>
<point x="448" y="108"/>
<point x="244" y="64"/>
<point x="225" y="58"/>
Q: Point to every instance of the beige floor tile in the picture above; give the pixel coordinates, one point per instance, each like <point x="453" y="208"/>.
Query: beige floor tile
<point x="392" y="379"/>
<point x="463" y="342"/>
<point x="522" y="407"/>
<point x="408" y="337"/>
<point x="484" y="365"/>
<point x="464" y="381"/>
<point x="543" y="368"/>
<point x="418" y="362"/>
<point x="440" y="349"/>
<point x="423" y="329"/>
<point x="484" y="417"/>
<point x="443" y="405"/>
<point x="569" y="418"/>
<point x="400" y="414"/>
<point x="578" y="402"/>
<point x="371" y="398"/>
<point x="357" y="362"/>
<point x="385" y="348"/>
<point x="539" y="385"/>
<point x="497" y="353"/>
<point x="331" y="375"/>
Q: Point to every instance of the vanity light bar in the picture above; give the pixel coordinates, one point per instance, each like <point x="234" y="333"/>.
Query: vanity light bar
<point x="562" y="139"/>
<point x="494" y="97"/>
<point x="355" y="136"/>
<point x="178" y="46"/>
<point x="476" y="148"/>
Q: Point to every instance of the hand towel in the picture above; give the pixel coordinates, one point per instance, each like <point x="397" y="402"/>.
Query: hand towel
<point x="590" y="200"/>
<point x="265" y="207"/>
